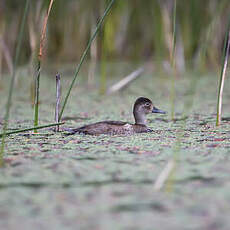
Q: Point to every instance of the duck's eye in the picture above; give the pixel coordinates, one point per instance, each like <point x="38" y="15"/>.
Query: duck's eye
<point x="147" y="104"/>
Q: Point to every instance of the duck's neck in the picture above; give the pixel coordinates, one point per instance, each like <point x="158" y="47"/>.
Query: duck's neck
<point x="140" y="118"/>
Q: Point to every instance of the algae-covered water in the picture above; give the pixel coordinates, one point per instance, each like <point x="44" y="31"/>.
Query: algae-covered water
<point x="53" y="181"/>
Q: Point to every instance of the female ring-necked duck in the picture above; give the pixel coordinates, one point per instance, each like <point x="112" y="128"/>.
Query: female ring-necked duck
<point x="141" y="108"/>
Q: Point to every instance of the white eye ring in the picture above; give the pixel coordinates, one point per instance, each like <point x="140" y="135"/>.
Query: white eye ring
<point x="147" y="104"/>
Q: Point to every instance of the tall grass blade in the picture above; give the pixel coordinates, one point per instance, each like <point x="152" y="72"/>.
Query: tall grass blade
<point x="222" y="76"/>
<point x="107" y="10"/>
<point x="8" y="104"/>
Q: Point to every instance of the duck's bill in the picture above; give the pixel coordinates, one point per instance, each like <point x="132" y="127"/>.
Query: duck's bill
<point x="156" y="110"/>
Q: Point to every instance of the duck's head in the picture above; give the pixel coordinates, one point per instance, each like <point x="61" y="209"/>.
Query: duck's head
<point x="141" y="108"/>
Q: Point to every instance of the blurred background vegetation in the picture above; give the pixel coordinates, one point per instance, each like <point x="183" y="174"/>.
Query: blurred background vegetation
<point x="135" y="30"/>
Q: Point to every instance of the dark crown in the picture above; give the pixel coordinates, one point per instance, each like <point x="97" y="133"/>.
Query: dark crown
<point x="142" y="100"/>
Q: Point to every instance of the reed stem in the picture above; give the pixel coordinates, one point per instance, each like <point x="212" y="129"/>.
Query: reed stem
<point x="222" y="76"/>
<point x="58" y="99"/>
<point x="8" y="104"/>
<point x="40" y="56"/>
<point x="36" y="102"/>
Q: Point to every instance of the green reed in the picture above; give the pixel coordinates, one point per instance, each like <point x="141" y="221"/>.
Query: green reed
<point x="9" y="99"/>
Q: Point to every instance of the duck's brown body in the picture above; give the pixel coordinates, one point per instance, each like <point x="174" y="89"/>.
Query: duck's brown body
<point x="111" y="128"/>
<point x="142" y="107"/>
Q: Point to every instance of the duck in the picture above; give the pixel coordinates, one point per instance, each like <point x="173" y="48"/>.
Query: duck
<point x="141" y="108"/>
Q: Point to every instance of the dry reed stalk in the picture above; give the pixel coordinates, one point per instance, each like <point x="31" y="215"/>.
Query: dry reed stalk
<point x="58" y="99"/>
<point x="40" y="56"/>
<point x="222" y="77"/>
<point x="43" y="36"/>
<point x="164" y="175"/>
<point x="125" y="81"/>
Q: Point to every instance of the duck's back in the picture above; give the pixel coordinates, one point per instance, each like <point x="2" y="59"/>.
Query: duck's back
<point x="111" y="128"/>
